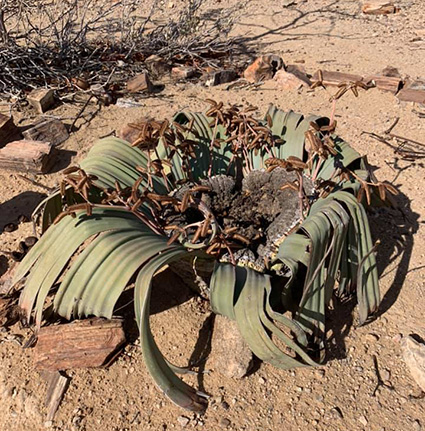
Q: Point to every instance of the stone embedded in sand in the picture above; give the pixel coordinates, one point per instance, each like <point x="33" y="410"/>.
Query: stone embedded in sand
<point x="230" y="355"/>
<point x="288" y="81"/>
<point x="414" y="357"/>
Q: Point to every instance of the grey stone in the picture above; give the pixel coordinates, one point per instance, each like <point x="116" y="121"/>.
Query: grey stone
<point x="230" y="355"/>
<point x="183" y="420"/>
<point x="414" y="357"/>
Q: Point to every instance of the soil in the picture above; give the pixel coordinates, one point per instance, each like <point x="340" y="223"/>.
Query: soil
<point x="342" y="394"/>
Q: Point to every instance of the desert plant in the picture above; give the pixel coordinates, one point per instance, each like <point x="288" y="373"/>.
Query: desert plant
<point x="276" y="203"/>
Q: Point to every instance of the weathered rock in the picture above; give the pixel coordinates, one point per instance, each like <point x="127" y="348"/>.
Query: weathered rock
<point x="129" y="133"/>
<point x="288" y="81"/>
<point x="183" y="421"/>
<point x="27" y="156"/>
<point x="391" y="72"/>
<point x="263" y="68"/>
<point x="230" y="355"/>
<point x="157" y="65"/>
<point x="51" y="130"/>
<point x="81" y="344"/>
<point x="414" y="357"/>
<point x="140" y="82"/>
<point x="182" y="72"/>
<point x="221" y="77"/>
<point x="8" y="131"/>
<point x="41" y="99"/>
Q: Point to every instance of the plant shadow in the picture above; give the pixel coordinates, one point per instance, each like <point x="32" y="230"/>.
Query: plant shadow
<point x="22" y="204"/>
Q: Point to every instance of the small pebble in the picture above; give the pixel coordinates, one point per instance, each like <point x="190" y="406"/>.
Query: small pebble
<point x="225" y="422"/>
<point x="183" y="420"/>
<point x="385" y="375"/>
<point x="48" y="424"/>
<point x="372" y="337"/>
<point x="10" y="227"/>
<point x="261" y="380"/>
<point x="417" y="425"/>
<point x="225" y="405"/>
<point x="337" y="413"/>
<point x="363" y="420"/>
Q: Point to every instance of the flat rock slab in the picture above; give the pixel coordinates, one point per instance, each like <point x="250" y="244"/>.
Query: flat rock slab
<point x="230" y="355"/>
<point x="27" y="156"/>
<point x="52" y="131"/>
<point x="80" y="344"/>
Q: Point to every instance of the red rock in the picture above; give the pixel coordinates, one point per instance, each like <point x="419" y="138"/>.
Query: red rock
<point x="263" y="68"/>
<point x="140" y="82"/>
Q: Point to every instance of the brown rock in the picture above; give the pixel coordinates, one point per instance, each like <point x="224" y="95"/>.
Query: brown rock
<point x="288" y="81"/>
<point x="413" y="92"/>
<point x="391" y="72"/>
<point x="263" y="68"/>
<point x="221" y="77"/>
<point x="129" y="133"/>
<point x="230" y="354"/>
<point x="52" y="131"/>
<point x="385" y="83"/>
<point x="140" y="82"/>
<point x="41" y="99"/>
<point x="414" y="357"/>
<point x="157" y="65"/>
<point x="182" y="72"/>
<point x="80" y="344"/>
<point x="8" y="131"/>
<point x="336" y="78"/>
<point x="27" y="156"/>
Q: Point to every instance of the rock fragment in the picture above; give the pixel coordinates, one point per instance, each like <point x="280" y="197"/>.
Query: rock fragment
<point x="414" y="357"/>
<point x="230" y="354"/>
<point x="140" y="82"/>
<point x="263" y="68"/>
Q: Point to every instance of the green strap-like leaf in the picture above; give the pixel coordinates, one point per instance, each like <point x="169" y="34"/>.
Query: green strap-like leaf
<point x="254" y="324"/>
<point x="51" y="254"/>
<point x="222" y="290"/>
<point x="174" y="388"/>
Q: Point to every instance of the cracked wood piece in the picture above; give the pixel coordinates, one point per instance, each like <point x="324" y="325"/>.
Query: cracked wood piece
<point x="385" y="83"/>
<point x="52" y="131"/>
<point x="26" y="156"/>
<point x="336" y="78"/>
<point x="57" y="386"/>
<point x="41" y="99"/>
<point x="8" y="131"/>
<point x="80" y="344"/>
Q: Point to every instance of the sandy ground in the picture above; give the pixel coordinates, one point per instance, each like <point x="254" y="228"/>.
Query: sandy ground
<point x="340" y="395"/>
